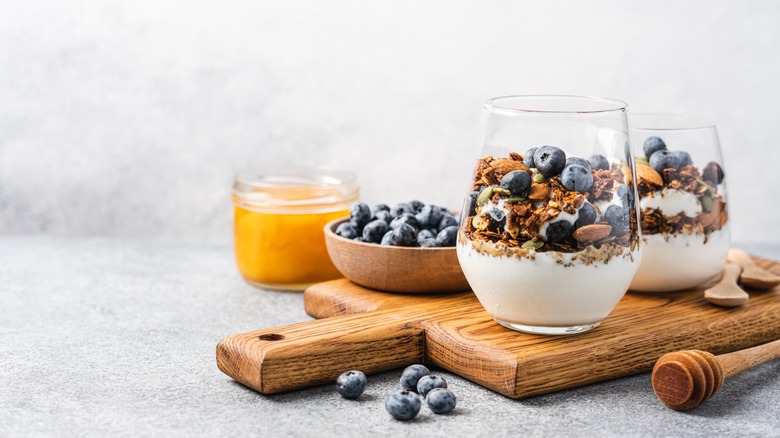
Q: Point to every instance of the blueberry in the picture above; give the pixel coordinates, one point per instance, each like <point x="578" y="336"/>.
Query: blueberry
<point x="712" y="173"/>
<point x="684" y="158"/>
<point x="497" y="217"/>
<point x="403" y="235"/>
<point x="664" y="159"/>
<point x="351" y="384"/>
<point x="447" y="236"/>
<point x="377" y="208"/>
<point x="558" y="231"/>
<point x="427" y="383"/>
<point x="387" y="239"/>
<point x="417" y="206"/>
<point x="447" y="220"/>
<point x="359" y="215"/>
<point x="405" y="218"/>
<point x="403" y="405"/>
<point x="440" y="400"/>
<point x="412" y="374"/>
<point x="429" y="216"/>
<point x="424" y="234"/>
<point x="400" y="209"/>
<point x="616" y="217"/>
<point x="470" y="203"/>
<point x="626" y="196"/>
<point x="577" y="178"/>
<point x="518" y="182"/>
<point x="347" y="230"/>
<point x="587" y="215"/>
<point x="598" y="162"/>
<point x="577" y="160"/>
<point x="550" y="160"/>
<point x="374" y="230"/>
<point x="653" y="145"/>
<point x="428" y="243"/>
<point x="385" y="216"/>
<point x="528" y="158"/>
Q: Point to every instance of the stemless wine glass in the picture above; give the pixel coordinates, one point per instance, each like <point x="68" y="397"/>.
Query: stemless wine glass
<point x="548" y="239"/>
<point x="682" y="202"/>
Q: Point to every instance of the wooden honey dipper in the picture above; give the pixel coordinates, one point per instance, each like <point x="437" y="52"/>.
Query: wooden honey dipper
<point x="684" y="379"/>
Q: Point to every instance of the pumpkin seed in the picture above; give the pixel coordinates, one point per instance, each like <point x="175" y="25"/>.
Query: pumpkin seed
<point x="530" y="244"/>
<point x="484" y="196"/>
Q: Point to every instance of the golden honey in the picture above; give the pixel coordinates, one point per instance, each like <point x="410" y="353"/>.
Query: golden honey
<point x="279" y="217"/>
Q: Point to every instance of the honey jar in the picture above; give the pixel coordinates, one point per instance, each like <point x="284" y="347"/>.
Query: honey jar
<point x="279" y="219"/>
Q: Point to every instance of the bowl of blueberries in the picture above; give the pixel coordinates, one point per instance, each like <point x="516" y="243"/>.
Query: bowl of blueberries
<point x="408" y="248"/>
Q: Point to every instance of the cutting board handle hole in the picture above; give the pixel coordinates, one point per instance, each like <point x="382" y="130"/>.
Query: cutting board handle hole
<point x="271" y="337"/>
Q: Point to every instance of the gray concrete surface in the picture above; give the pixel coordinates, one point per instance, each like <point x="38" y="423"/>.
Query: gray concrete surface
<point x="103" y="336"/>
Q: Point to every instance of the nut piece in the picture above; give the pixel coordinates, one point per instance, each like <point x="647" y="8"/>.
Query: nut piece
<point x="649" y="175"/>
<point x="539" y="192"/>
<point x="592" y="232"/>
<point x="503" y="166"/>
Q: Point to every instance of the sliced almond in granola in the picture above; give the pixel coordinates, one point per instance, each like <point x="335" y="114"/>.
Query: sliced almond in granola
<point x="539" y="192"/>
<point x="505" y="165"/>
<point x="592" y="232"/>
<point x="649" y="175"/>
<point x="626" y="175"/>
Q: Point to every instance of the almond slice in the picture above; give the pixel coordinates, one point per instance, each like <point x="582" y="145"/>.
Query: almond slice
<point x="539" y="192"/>
<point x="592" y="232"/>
<point x="649" y="175"/>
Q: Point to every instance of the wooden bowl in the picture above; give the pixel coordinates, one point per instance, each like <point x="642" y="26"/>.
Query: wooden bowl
<point x="394" y="268"/>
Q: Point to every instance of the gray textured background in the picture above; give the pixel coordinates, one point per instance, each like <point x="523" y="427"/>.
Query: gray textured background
<point x="130" y="118"/>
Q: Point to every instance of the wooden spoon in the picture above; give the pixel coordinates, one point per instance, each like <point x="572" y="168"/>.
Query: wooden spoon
<point x="752" y="276"/>
<point x="684" y="379"/>
<point x="727" y="292"/>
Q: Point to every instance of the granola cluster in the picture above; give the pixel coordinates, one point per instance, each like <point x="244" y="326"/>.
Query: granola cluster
<point x="501" y="223"/>
<point x="703" y="185"/>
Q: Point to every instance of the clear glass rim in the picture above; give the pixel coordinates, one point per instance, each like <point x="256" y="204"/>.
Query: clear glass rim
<point x="298" y="188"/>
<point x="275" y="177"/>
<point x="499" y="104"/>
<point x="667" y="122"/>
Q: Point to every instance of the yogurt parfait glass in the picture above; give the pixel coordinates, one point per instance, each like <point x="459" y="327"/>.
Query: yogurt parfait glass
<point x="549" y="238"/>
<point x="682" y="202"/>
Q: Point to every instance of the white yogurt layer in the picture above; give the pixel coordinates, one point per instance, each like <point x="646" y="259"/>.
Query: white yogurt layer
<point x="672" y="202"/>
<point x="680" y="261"/>
<point x="543" y="292"/>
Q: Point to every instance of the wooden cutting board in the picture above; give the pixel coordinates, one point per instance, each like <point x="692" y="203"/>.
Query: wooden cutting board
<point x="374" y="331"/>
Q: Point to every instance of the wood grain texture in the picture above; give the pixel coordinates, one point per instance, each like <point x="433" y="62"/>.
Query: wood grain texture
<point x="375" y="331"/>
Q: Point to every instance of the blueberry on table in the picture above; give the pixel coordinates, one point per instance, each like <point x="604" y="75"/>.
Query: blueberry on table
<point x="374" y="230"/>
<point x="653" y="145"/>
<point x="586" y="215"/>
<point x="387" y="239"/>
<point x="403" y="235"/>
<point x="347" y="230"/>
<point x="577" y="160"/>
<point x="626" y="196"/>
<point x="429" y="216"/>
<point x="405" y="218"/>
<point x="412" y="374"/>
<point x="550" y="160"/>
<point x="558" y="231"/>
<point x="447" y="236"/>
<point x="417" y="206"/>
<point x="440" y="400"/>
<point x="518" y="182"/>
<point x="617" y="217"/>
<point x="429" y="382"/>
<point x="664" y="159"/>
<point x="528" y="158"/>
<point x="400" y="209"/>
<point x="598" y="162"/>
<point x="360" y="215"/>
<point x="447" y="220"/>
<point x="683" y="158"/>
<point x="424" y="234"/>
<point x="403" y="405"/>
<point x="385" y="216"/>
<point x="577" y="178"/>
<point x="351" y="384"/>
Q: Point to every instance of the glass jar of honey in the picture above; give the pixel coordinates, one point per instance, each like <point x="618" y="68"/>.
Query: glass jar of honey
<point x="279" y="219"/>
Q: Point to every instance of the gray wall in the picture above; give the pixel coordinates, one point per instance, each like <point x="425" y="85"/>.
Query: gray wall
<point x="130" y="118"/>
